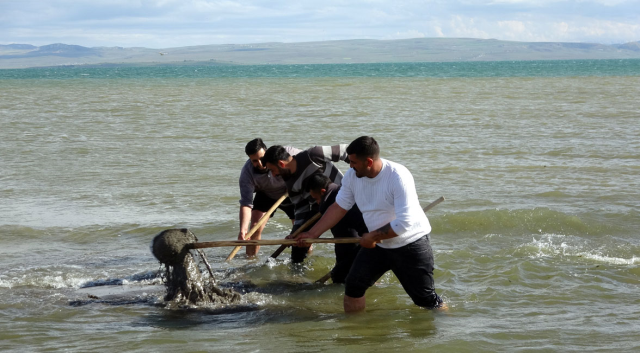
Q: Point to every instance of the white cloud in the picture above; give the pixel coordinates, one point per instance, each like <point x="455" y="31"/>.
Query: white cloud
<point x="466" y="27"/>
<point x="405" y="35"/>
<point x="168" y="23"/>
<point x="519" y="31"/>
<point x="599" y="31"/>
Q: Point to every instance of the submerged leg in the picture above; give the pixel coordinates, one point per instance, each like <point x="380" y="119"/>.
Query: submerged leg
<point x="252" y="250"/>
<point x="354" y="305"/>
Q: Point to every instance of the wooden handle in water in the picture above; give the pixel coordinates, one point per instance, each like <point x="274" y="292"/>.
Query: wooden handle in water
<point x="262" y="220"/>
<point x="433" y="204"/>
<point x="221" y="243"/>
<point x="324" y="278"/>
<point x="297" y="233"/>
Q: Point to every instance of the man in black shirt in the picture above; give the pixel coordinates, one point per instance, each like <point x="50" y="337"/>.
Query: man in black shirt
<point x="351" y="225"/>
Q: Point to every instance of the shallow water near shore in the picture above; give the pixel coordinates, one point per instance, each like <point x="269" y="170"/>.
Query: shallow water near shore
<point x="536" y="246"/>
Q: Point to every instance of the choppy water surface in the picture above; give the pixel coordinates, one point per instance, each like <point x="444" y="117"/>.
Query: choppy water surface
<point x="536" y="245"/>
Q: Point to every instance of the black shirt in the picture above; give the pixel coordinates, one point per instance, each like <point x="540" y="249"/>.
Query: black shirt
<point x="352" y="224"/>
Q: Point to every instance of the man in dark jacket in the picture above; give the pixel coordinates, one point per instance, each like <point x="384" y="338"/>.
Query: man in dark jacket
<point x="295" y="170"/>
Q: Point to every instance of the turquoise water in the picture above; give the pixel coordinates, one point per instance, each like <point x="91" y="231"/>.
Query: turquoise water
<point x="558" y="68"/>
<point x="536" y="245"/>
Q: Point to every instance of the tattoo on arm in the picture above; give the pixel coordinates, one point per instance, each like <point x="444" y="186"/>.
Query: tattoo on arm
<point x="384" y="232"/>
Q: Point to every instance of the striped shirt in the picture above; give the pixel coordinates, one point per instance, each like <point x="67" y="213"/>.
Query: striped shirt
<point x="389" y="198"/>
<point x="316" y="159"/>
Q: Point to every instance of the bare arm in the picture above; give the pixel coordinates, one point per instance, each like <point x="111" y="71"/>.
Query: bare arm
<point x="331" y="217"/>
<point x="247" y="188"/>
<point x="245" y="220"/>
<point x="370" y="239"/>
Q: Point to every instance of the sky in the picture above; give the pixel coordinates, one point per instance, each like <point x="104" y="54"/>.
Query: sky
<point x="178" y="23"/>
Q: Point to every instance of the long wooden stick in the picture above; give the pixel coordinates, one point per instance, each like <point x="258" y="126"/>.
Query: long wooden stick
<point x="433" y="204"/>
<point x="427" y="208"/>
<point x="296" y="234"/>
<point x="262" y="220"/>
<point x="324" y="278"/>
<point x="221" y="243"/>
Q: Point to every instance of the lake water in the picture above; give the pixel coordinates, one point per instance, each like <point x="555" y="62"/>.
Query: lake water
<point x="537" y="245"/>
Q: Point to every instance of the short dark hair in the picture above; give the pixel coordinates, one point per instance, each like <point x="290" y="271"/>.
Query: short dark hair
<point x="274" y="154"/>
<point x="254" y="146"/>
<point x="317" y="181"/>
<point x="364" y="147"/>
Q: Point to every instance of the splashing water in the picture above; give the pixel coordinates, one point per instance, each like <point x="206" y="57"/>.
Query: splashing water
<point x="185" y="282"/>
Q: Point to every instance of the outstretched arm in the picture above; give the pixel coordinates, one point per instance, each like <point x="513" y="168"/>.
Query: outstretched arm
<point x="331" y="217"/>
<point x="329" y="153"/>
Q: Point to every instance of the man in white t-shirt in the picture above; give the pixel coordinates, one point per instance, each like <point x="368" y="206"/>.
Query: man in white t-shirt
<point x="386" y="195"/>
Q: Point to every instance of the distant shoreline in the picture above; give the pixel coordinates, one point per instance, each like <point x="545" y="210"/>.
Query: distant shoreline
<point x="15" y="56"/>
<point x="436" y="70"/>
<point x="209" y="64"/>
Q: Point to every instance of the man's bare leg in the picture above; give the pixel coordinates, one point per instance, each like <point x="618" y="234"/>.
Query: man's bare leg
<point x="354" y="305"/>
<point x="255" y="217"/>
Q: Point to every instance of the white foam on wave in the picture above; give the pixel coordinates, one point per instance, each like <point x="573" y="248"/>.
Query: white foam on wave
<point x="61" y="281"/>
<point x="56" y="281"/>
<point x="48" y="276"/>
<point x="550" y="245"/>
<point x="69" y="276"/>
<point x="272" y="263"/>
<point x="611" y="260"/>
<point x="4" y="283"/>
<point x="261" y="299"/>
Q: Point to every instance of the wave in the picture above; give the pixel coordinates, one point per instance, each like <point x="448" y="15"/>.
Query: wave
<point x="536" y="221"/>
<point x="72" y="277"/>
<point x="148" y="277"/>
<point x="539" y="220"/>
<point x="604" y="250"/>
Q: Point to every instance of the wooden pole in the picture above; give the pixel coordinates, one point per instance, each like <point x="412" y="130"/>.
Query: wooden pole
<point x="221" y="243"/>
<point x="296" y="234"/>
<point x="262" y="220"/>
<point x="433" y="204"/>
<point x="324" y="278"/>
<point x="427" y="208"/>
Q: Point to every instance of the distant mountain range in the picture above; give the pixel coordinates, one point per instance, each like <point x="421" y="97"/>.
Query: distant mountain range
<point x="327" y="52"/>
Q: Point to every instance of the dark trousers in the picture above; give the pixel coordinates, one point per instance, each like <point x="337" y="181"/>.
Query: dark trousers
<point x="412" y="264"/>
<point x="298" y="254"/>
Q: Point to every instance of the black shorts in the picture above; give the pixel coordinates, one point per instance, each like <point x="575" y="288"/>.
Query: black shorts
<point x="263" y="203"/>
<point x="412" y="264"/>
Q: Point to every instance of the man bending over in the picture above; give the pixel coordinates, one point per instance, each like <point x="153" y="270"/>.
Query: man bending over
<point x="255" y="178"/>
<point x="295" y="170"/>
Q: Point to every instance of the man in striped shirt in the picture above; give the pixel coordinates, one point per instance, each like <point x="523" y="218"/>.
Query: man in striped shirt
<point x="295" y="171"/>
<point x="386" y="195"/>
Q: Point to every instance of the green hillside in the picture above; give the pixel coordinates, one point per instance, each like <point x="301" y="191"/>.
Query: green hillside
<point x="327" y="52"/>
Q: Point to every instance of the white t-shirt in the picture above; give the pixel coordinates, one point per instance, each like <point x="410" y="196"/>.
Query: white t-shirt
<point x="390" y="197"/>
